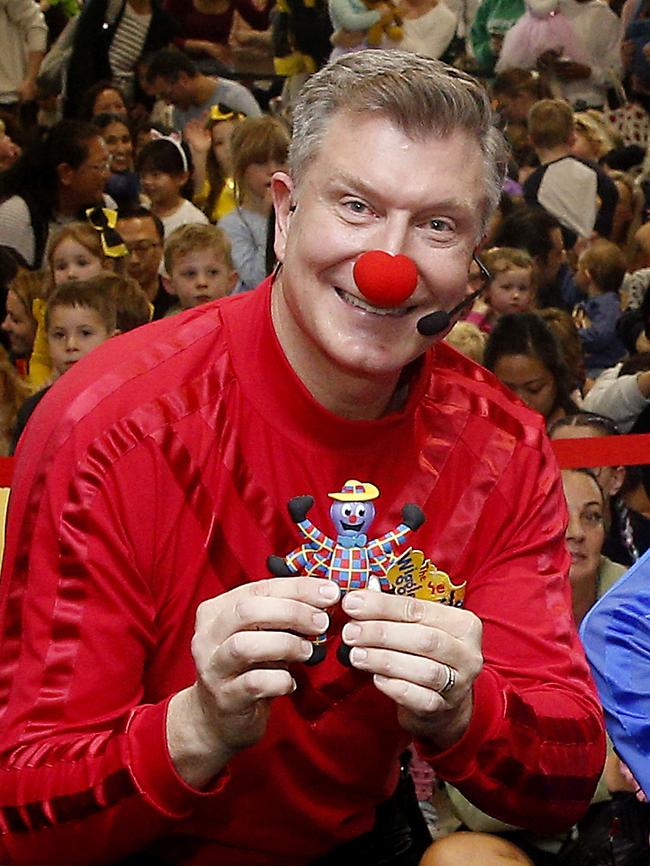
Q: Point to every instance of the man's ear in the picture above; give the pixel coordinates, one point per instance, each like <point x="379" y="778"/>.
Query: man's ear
<point x="282" y="188"/>
<point x="167" y="283"/>
<point x="65" y="174"/>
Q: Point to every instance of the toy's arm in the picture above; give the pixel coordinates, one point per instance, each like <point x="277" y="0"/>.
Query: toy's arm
<point x="412" y="518"/>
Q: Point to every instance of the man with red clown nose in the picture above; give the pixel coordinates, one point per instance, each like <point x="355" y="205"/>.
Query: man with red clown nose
<point x="156" y="704"/>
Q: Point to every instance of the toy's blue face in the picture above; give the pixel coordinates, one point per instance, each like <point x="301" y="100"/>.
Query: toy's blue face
<point x="352" y="516"/>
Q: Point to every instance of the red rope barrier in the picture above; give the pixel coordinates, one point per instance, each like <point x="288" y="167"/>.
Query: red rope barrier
<point x="571" y="453"/>
<point x="628" y="450"/>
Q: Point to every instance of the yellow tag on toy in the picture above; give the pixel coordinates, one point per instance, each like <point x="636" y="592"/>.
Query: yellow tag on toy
<point x="413" y="575"/>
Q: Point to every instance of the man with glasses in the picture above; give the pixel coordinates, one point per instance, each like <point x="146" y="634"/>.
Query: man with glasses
<point x="144" y="236"/>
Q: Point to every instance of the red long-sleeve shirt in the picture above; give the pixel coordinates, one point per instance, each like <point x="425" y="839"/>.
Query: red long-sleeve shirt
<point x="155" y="475"/>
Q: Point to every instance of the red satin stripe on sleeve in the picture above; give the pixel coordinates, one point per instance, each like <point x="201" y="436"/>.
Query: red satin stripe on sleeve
<point x="42" y="814"/>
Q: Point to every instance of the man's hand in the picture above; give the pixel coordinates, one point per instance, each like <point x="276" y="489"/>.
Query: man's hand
<point x="243" y="642"/>
<point x="413" y="649"/>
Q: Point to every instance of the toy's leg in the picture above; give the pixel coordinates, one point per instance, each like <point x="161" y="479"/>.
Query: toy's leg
<point x="343" y="654"/>
<point x="278" y="567"/>
<point x="319" y="650"/>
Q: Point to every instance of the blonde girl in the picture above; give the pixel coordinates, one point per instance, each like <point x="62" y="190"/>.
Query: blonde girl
<point x="78" y="251"/>
<point x="259" y="148"/>
<point x="210" y="146"/>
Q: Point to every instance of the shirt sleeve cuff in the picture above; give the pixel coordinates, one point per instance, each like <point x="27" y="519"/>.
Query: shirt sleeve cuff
<point x="152" y="767"/>
<point x="458" y="761"/>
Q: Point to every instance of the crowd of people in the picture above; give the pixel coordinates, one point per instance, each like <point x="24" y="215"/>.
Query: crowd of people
<point x="143" y="179"/>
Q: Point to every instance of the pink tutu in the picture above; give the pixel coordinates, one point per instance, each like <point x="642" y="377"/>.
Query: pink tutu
<point x="533" y="34"/>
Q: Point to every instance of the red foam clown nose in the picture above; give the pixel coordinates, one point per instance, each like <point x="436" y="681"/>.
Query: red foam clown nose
<point x="385" y="280"/>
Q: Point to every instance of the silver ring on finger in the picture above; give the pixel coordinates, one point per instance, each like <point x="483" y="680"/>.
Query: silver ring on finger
<point x="450" y="682"/>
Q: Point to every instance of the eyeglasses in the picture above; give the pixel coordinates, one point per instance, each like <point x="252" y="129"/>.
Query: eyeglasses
<point x="142" y="247"/>
<point x="100" y="168"/>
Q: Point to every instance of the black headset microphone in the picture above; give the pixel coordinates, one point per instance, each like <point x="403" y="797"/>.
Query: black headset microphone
<point x="435" y="323"/>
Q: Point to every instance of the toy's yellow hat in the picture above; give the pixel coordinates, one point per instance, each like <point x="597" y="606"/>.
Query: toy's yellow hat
<point x="356" y="491"/>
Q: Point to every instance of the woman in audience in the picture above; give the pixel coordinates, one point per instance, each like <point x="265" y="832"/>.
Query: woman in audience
<point x="590" y="574"/>
<point x="628" y="531"/>
<point x="20" y="322"/>
<point x="110" y="38"/>
<point x="102" y="98"/>
<point x="525" y="355"/>
<point x="13" y="393"/>
<point x="122" y="184"/>
<point x="54" y="181"/>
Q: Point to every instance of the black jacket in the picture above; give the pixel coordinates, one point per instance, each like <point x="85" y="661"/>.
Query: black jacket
<point x="89" y="61"/>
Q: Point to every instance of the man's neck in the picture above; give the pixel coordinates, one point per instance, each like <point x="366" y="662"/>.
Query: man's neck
<point x="202" y="89"/>
<point x="348" y="395"/>
<point x="151" y="289"/>
<point x="550" y="154"/>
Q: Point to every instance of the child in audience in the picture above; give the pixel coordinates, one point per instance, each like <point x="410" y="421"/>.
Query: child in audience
<point x="133" y="308"/>
<point x="78" y="251"/>
<point x="468" y="339"/>
<point x="210" y="146"/>
<point x="509" y="291"/>
<point x="164" y="170"/>
<point x="579" y="193"/>
<point x="198" y="265"/>
<point x="80" y="316"/>
<point x="601" y="269"/>
<point x="259" y="148"/>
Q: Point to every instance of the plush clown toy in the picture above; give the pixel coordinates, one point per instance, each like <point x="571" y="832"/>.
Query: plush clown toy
<point x="349" y="559"/>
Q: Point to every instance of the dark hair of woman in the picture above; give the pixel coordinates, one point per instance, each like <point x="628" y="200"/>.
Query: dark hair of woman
<point x="528" y="334"/>
<point x="101" y="121"/>
<point x="620" y="544"/>
<point x="34" y="175"/>
<point x="87" y="109"/>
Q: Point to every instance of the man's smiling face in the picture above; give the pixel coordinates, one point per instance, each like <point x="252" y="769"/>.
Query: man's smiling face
<point x="371" y="187"/>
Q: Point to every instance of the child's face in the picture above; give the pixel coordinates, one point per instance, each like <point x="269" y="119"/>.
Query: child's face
<point x="510" y="292"/>
<point x="163" y="189"/>
<point x="72" y="333"/>
<point x="257" y="179"/>
<point x="200" y="276"/>
<point x="221" y="133"/>
<point x="72" y="261"/>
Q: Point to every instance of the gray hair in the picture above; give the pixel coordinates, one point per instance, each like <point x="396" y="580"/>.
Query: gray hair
<point x="419" y="95"/>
